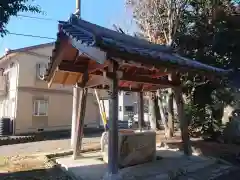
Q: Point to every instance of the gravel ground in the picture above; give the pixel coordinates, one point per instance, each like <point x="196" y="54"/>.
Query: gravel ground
<point x="30" y="168"/>
<point x="18" y="163"/>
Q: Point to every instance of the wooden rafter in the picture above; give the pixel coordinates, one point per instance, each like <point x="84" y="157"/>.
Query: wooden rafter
<point x="65" y="77"/>
<point x="70" y="67"/>
<point x="96" y="80"/>
<point x="153" y="88"/>
<point x="93" y="68"/>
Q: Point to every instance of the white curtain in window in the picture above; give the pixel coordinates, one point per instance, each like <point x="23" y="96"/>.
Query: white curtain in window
<point x="1" y="109"/>
<point x="40" y="107"/>
<point x="41" y="68"/>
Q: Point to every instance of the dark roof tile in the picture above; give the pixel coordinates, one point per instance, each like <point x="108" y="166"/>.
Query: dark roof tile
<point x="96" y="36"/>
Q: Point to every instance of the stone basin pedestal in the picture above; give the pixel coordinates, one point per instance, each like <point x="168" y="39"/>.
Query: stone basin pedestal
<point x="135" y="147"/>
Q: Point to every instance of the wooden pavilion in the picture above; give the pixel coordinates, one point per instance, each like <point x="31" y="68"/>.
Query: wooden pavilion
<point x="95" y="57"/>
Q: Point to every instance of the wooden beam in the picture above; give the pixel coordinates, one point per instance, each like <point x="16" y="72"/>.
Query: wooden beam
<point x="94" y="81"/>
<point x="162" y="71"/>
<point x="78" y="77"/>
<point x="76" y="57"/>
<point x="94" y="67"/>
<point x="57" y="60"/>
<point x="51" y="79"/>
<point x="65" y="77"/>
<point x="71" y="67"/>
<point x="146" y="80"/>
<point x="155" y="88"/>
<point x="80" y="124"/>
<point x="98" y="80"/>
<point x="85" y="79"/>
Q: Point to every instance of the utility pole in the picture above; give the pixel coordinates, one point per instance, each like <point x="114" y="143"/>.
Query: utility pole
<point x="76" y="91"/>
<point x="78" y="8"/>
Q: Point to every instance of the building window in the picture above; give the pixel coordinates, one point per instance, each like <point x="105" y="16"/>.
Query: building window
<point x="41" y="69"/>
<point x="40" y="108"/>
<point x="146" y="105"/>
<point x="129" y="108"/>
<point x="11" y="65"/>
<point x="127" y="93"/>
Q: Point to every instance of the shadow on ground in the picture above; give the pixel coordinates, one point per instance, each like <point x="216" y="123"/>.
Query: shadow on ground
<point x="56" y="173"/>
<point x="38" y="174"/>
<point x="228" y="152"/>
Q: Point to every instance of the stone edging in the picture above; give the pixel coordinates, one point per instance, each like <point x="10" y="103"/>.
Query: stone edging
<point x="52" y="157"/>
<point x="70" y="152"/>
<point x="18" y="140"/>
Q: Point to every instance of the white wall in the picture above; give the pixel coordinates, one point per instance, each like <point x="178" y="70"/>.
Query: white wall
<point x="8" y="101"/>
<point x="121" y="104"/>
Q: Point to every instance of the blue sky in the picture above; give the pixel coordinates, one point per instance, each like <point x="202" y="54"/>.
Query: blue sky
<point x="101" y="12"/>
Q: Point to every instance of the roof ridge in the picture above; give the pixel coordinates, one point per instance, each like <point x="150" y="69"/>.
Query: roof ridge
<point x="98" y="30"/>
<point x="28" y="48"/>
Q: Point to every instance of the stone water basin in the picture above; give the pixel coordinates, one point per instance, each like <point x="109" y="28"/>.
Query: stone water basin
<point x="134" y="147"/>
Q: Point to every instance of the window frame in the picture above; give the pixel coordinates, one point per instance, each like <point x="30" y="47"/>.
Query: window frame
<point x="126" y="108"/>
<point x="37" y="102"/>
<point x="39" y="67"/>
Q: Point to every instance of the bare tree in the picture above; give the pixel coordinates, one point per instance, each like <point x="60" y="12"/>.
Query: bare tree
<point x="158" y="21"/>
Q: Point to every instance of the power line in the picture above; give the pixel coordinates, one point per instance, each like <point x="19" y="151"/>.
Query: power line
<point x="33" y="36"/>
<point x="1" y="43"/>
<point x="39" y="18"/>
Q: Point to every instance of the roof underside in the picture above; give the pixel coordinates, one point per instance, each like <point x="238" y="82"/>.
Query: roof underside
<point x="84" y="47"/>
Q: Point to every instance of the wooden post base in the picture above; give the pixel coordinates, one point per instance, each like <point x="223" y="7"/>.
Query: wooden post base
<point x="80" y="124"/>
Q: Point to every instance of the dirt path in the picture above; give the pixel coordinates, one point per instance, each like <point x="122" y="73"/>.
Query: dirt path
<point x="50" y="146"/>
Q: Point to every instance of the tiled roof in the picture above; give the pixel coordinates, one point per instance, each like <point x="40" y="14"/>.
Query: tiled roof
<point x="94" y="35"/>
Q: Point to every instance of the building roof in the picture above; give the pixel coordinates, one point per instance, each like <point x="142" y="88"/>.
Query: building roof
<point x="28" y="48"/>
<point x="84" y="36"/>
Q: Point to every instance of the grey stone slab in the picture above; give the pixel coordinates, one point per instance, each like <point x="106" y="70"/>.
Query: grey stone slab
<point x="90" y="167"/>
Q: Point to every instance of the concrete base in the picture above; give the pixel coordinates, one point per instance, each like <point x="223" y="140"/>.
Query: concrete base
<point x="89" y="167"/>
<point x="171" y="164"/>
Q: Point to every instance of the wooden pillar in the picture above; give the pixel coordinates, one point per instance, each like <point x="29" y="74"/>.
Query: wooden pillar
<point x="162" y="112"/>
<point x="153" y="120"/>
<point x="140" y="111"/>
<point x="113" y="122"/>
<point x="170" y="114"/>
<point x="80" y="123"/>
<point x="76" y="98"/>
<point x="183" y="121"/>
